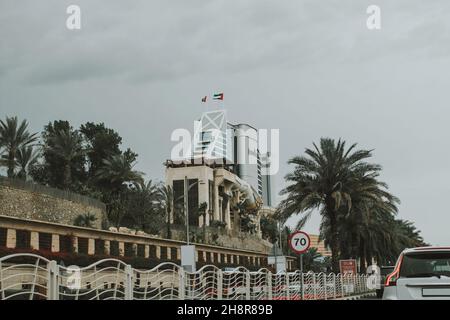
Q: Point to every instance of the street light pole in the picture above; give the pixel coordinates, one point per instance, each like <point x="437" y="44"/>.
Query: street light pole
<point x="186" y="208"/>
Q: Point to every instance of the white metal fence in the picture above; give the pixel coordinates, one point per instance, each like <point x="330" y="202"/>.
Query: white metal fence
<point x="29" y="276"/>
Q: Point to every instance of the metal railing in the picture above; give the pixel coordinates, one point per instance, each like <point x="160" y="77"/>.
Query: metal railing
<point x="29" y="276"/>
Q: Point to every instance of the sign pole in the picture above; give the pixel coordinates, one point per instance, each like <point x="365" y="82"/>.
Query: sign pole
<point x="299" y="242"/>
<point x="186" y="208"/>
<point x="301" y="262"/>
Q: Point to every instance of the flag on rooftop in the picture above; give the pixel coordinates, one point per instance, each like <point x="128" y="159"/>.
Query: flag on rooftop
<point x="218" y="96"/>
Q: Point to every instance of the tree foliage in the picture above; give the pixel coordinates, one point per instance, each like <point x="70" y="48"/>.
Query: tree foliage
<point x="357" y="211"/>
<point x="13" y="137"/>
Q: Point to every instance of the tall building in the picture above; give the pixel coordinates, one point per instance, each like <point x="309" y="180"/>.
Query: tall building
<point x="210" y="137"/>
<point x="224" y="170"/>
<point x="268" y="188"/>
<point x="247" y="158"/>
<point x="234" y="145"/>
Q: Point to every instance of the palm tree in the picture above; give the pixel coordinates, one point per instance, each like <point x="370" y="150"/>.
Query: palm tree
<point x="85" y="220"/>
<point x="310" y="260"/>
<point x="167" y="204"/>
<point x="142" y="203"/>
<point x="363" y="231"/>
<point x="323" y="180"/>
<point x="67" y="146"/>
<point x="117" y="170"/>
<point x="13" y="136"/>
<point x="26" y="156"/>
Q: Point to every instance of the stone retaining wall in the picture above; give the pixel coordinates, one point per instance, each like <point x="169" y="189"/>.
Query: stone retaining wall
<point x="26" y="201"/>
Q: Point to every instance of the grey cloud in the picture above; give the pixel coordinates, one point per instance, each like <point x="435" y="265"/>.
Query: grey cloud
<point x="310" y="68"/>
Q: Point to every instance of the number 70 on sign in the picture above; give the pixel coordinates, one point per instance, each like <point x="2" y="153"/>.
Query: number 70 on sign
<point x="299" y="242"/>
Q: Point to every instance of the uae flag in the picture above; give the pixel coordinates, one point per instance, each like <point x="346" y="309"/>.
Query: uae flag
<point x="218" y="96"/>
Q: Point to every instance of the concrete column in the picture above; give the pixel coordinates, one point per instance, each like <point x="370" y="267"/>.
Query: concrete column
<point x="91" y="246"/>
<point x="216" y="201"/>
<point x="146" y="251"/>
<point x="178" y="253"/>
<point x="225" y="258"/>
<point x="11" y="238"/>
<point x="34" y="240"/>
<point x="55" y="242"/>
<point x="134" y="248"/>
<point x="107" y="247"/>
<point x="258" y="226"/>
<point x="158" y="252"/>
<point x="227" y="216"/>
<point x="231" y="259"/>
<point x="237" y="260"/>
<point x="236" y="222"/>
<point x="121" y="248"/>
<point x="204" y="255"/>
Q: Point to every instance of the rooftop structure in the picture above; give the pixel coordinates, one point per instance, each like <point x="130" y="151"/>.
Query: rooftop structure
<point x="224" y="171"/>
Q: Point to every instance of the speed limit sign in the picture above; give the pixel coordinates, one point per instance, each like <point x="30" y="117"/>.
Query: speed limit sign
<point x="299" y="242"/>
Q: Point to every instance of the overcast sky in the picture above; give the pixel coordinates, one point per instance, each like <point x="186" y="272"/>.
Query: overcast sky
<point x="310" y="68"/>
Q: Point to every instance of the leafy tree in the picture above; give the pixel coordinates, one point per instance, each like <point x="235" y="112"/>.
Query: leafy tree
<point x="14" y="136"/>
<point x="102" y="143"/>
<point x="63" y="163"/>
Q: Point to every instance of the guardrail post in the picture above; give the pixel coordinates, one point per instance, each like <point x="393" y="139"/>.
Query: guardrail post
<point x="128" y="282"/>
<point x="247" y="285"/>
<point x="269" y="285"/>
<point x="219" y="284"/>
<point x="325" y="285"/>
<point x="52" y="280"/>
<point x="287" y="286"/>
<point x="342" y="284"/>
<point x="181" y="284"/>
<point x="334" y="286"/>
<point x="302" y="283"/>
<point x="314" y="286"/>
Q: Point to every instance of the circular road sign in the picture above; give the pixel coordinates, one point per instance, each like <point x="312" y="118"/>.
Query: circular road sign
<point x="299" y="242"/>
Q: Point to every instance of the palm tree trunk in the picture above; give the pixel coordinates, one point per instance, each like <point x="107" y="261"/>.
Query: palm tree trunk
<point x="204" y="227"/>
<point x="334" y="239"/>
<point x="67" y="176"/>
<point x="11" y="163"/>
<point x="368" y="258"/>
<point x="334" y="246"/>
<point x="169" y="231"/>
<point x="362" y="257"/>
